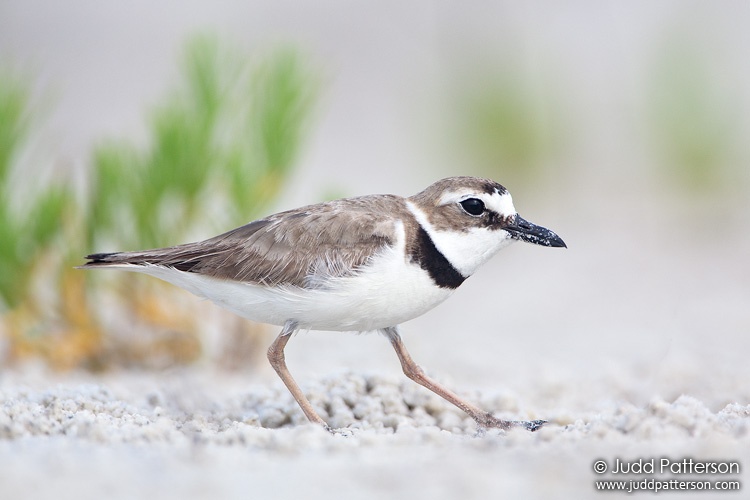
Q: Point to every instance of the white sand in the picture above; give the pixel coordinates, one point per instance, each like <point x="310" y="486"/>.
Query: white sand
<point x="201" y="434"/>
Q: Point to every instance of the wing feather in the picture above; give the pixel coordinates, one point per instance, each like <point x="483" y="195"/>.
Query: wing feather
<point x="302" y="247"/>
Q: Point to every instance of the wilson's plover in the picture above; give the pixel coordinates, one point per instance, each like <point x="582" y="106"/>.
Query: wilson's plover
<point x="356" y="264"/>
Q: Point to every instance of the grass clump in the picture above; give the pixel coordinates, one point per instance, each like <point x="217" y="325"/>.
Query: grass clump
<point x="218" y="147"/>
<point x="29" y="224"/>
<point x="32" y="227"/>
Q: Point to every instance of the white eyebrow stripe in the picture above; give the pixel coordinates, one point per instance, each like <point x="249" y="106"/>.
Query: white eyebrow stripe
<point x="502" y="204"/>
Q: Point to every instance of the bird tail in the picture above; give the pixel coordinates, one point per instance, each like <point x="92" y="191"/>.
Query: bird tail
<point x="113" y="259"/>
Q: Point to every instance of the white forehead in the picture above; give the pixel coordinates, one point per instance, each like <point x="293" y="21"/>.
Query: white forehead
<point x="502" y="204"/>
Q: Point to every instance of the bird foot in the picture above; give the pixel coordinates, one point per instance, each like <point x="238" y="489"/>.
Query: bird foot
<point x="338" y="432"/>
<point x="529" y="425"/>
<point x="489" y="421"/>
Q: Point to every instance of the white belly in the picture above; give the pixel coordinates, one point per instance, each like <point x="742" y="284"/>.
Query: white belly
<point x="389" y="292"/>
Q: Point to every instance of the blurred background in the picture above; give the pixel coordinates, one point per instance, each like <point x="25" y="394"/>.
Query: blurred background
<point x="621" y="126"/>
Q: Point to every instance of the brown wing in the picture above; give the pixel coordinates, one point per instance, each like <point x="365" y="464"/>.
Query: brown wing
<point x="297" y="247"/>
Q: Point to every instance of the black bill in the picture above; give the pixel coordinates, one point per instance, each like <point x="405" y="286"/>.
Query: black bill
<point x="523" y="230"/>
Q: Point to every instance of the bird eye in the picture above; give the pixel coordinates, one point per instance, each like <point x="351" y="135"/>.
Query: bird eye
<point x="473" y="206"/>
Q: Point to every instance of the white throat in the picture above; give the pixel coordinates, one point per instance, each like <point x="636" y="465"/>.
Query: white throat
<point x="465" y="250"/>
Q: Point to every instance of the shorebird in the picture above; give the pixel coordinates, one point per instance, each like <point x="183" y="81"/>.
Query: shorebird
<point x="356" y="264"/>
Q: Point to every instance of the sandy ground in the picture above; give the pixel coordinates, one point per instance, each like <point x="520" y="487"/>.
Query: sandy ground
<point x="201" y="434"/>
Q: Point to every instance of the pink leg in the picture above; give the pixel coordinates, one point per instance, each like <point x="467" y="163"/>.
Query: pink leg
<point x="278" y="362"/>
<point x="413" y="371"/>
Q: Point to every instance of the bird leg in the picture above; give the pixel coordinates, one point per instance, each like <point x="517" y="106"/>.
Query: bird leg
<point x="414" y="372"/>
<point x="276" y="357"/>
